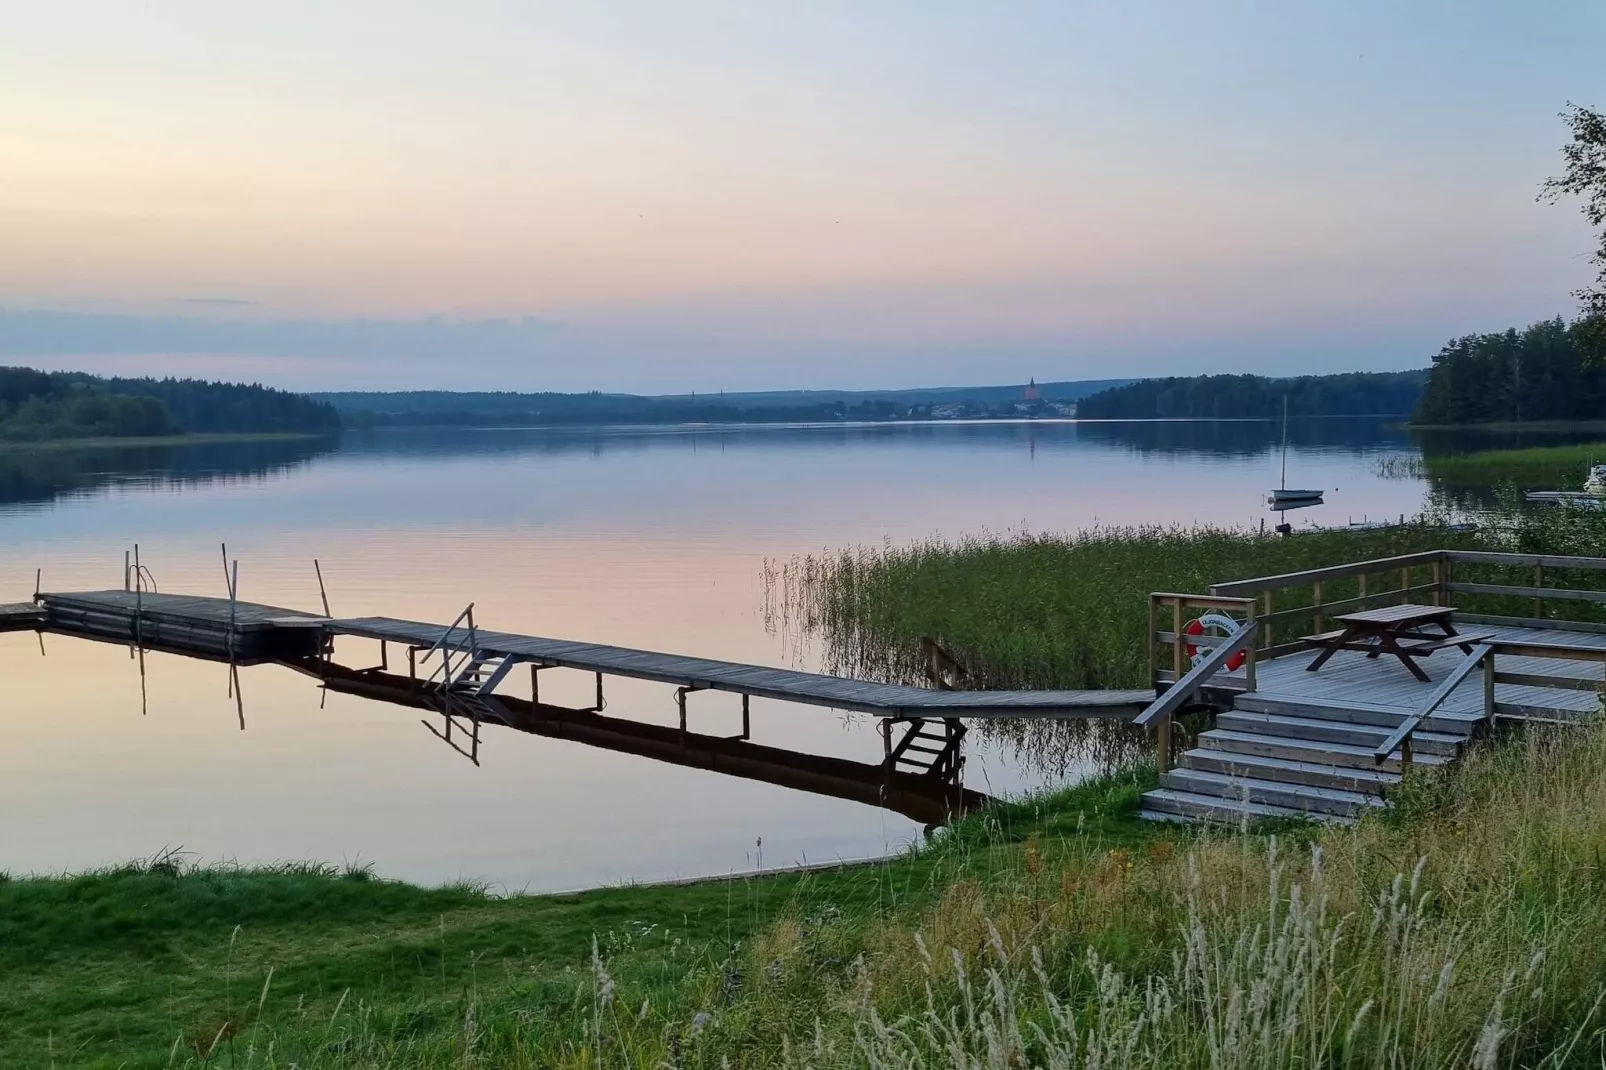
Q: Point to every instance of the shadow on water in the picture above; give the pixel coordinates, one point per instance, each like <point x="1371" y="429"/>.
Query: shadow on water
<point x="30" y="478"/>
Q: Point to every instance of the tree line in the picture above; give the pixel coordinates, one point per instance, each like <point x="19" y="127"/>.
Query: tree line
<point x="1258" y="396"/>
<point x="1552" y="370"/>
<point x="39" y="406"/>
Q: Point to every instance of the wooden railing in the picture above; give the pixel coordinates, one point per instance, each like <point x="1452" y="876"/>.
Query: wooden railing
<point x="1162" y="711"/>
<point x="1484" y="655"/>
<point x="1170" y="614"/>
<point x="1295" y="603"/>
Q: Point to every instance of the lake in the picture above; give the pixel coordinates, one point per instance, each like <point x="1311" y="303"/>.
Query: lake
<point x="652" y="538"/>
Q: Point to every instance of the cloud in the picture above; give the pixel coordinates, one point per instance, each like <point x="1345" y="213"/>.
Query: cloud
<point x="39" y="333"/>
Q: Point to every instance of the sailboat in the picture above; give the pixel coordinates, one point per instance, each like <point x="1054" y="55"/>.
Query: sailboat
<point x="1282" y="497"/>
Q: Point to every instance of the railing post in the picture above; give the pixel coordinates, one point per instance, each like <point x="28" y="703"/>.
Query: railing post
<point x="1405" y="584"/>
<point x="1488" y="688"/>
<point x="1179" y="654"/>
<point x="1438" y="583"/>
<point x="1316" y="603"/>
<point x="1249" y="654"/>
<point x="1361" y="602"/>
<point x="1266" y="599"/>
<point x="1154" y="641"/>
<point x="1539" y="581"/>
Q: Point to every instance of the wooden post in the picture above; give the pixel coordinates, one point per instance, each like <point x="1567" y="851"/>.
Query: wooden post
<point x="1405" y="754"/>
<point x="1266" y="609"/>
<point x="1316" y="603"/>
<point x="1488" y="688"/>
<point x="1539" y="581"/>
<point x="1179" y="655"/>
<point x="1154" y="640"/>
<point x="1438" y="583"/>
<point x="535" y="687"/>
<point x="1362" y="603"/>
<point x="1405" y="584"/>
<point x="1249" y="654"/>
<point x="1446" y="578"/>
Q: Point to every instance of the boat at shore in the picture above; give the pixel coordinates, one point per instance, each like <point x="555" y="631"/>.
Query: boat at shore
<point x="1592" y="494"/>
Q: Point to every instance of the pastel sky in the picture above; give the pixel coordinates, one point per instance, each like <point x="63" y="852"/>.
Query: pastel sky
<point x="700" y="196"/>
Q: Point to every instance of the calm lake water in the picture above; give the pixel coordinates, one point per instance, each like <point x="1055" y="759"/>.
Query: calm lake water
<point x="649" y="538"/>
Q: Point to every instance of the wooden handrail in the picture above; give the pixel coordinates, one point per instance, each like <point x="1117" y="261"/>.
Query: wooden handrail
<point x="1515" y="648"/>
<point x="1330" y="572"/>
<point x="1408" y="726"/>
<point x="1183" y="689"/>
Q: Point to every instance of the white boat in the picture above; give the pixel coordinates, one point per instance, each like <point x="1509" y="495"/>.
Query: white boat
<point x="1594" y="492"/>
<point x="1283" y="497"/>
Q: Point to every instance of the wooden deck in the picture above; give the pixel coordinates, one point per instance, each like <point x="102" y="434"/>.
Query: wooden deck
<point x="883" y="700"/>
<point x="1351" y="679"/>
<point x="210" y="627"/>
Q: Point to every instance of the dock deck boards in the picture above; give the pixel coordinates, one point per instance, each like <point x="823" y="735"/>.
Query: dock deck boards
<point x="20" y="616"/>
<point x="1350" y="678"/>
<point x="761" y="681"/>
<point x="209" y="617"/>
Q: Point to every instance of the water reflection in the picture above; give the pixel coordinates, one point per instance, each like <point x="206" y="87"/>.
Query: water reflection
<point x="31" y="477"/>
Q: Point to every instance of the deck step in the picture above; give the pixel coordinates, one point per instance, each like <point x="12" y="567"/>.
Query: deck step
<point x="1312" y="774"/>
<point x="1271" y="792"/>
<point x="1171" y="804"/>
<point x="1304" y="750"/>
<point x="1446" y="722"/>
<point x="1315" y="728"/>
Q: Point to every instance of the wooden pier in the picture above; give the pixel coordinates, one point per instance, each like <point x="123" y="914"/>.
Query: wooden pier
<point x="1294" y="731"/>
<point x="462" y="674"/>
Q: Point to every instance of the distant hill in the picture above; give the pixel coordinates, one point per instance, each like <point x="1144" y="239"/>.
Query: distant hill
<point x="37" y="406"/>
<point x="419" y="407"/>
<point x="1252" y="396"/>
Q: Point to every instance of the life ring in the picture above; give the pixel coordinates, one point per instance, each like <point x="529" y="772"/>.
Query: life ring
<point x="1218" y="624"/>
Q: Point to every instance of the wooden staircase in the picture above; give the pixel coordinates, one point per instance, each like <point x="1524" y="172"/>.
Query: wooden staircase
<point x="1276" y="757"/>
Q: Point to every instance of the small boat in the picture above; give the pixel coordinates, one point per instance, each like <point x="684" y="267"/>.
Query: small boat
<point x="1283" y="497"/>
<point x="1593" y="494"/>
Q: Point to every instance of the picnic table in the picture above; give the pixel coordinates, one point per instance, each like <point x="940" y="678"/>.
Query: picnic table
<point x="1398" y="630"/>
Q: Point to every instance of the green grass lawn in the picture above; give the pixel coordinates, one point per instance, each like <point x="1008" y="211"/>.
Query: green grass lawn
<point x="116" y="968"/>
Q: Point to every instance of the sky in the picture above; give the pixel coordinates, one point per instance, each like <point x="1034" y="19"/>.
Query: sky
<point x="653" y="197"/>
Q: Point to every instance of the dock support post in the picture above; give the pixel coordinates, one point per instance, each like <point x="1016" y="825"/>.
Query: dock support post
<point x="1488" y="688"/>
<point x="323" y="594"/>
<point x="747" y="724"/>
<point x="535" y="686"/>
<point x="600" y="703"/>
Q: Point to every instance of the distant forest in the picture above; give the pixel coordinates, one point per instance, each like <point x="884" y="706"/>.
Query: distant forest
<point x="447" y="408"/>
<point x="1256" y="396"/>
<point x="1553" y="370"/>
<point x="39" y="406"/>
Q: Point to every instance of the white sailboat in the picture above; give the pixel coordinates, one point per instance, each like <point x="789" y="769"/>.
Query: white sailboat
<point x="1283" y="497"/>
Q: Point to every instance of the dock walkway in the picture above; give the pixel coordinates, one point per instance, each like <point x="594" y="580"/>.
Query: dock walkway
<point x="207" y="627"/>
<point x="788" y="685"/>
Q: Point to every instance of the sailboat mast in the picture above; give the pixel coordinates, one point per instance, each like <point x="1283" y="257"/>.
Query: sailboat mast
<point x="1283" y="483"/>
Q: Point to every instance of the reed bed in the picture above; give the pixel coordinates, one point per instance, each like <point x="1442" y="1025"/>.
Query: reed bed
<point x="1039" y="611"/>
<point x="1550" y="467"/>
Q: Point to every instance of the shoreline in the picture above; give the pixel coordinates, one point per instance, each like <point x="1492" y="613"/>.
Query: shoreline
<point x="50" y="445"/>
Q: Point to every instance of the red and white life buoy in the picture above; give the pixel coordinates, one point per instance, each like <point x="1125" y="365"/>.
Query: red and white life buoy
<point x="1213" y="624"/>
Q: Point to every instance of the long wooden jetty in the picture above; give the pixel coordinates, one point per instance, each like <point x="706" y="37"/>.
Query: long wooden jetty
<point x="463" y="674"/>
<point x="208" y="626"/>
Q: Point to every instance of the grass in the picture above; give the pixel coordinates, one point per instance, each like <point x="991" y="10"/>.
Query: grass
<point x="1039" y="611"/>
<point x="1548" y="467"/>
<point x="57" y="444"/>
<point x="1461" y="930"/>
